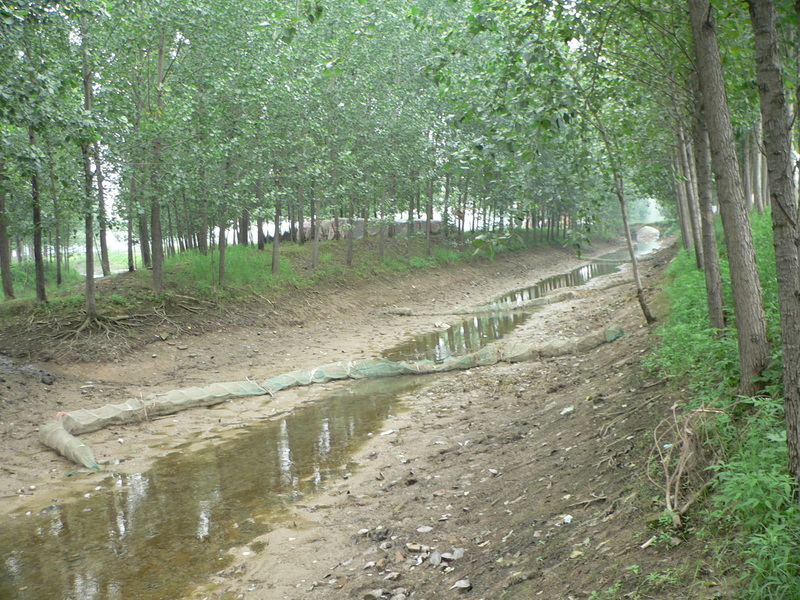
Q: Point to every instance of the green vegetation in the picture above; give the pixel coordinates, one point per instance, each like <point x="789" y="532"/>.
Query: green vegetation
<point x="248" y="273"/>
<point x="752" y="504"/>
<point x="25" y="278"/>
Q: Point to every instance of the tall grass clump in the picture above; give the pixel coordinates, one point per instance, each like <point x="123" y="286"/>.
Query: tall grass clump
<point x="751" y="503"/>
<point x="23" y="276"/>
<point x="246" y="270"/>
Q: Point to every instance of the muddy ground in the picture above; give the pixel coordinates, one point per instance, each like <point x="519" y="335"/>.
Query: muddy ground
<point x="523" y="480"/>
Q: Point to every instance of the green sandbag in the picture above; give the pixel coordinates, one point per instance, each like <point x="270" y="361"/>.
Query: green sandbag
<point x="55" y="436"/>
<point x="133" y="410"/>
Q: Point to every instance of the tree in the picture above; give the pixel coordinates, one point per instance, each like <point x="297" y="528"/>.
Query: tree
<point x="747" y="300"/>
<point x="5" y="242"/>
<point x="777" y="122"/>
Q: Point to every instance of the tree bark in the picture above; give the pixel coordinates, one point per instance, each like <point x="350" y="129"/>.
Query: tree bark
<point x="102" y="221"/>
<point x="88" y="208"/>
<point x="429" y="218"/>
<point x="777" y="123"/>
<point x="301" y="219"/>
<point x="260" y="238"/>
<point x="351" y="233"/>
<point x="277" y="237"/>
<point x="702" y="157"/>
<point x="38" y="259"/>
<point x="755" y="167"/>
<point x="619" y="190"/>
<point x="747" y="175"/>
<point x="155" y="202"/>
<point x="131" y="216"/>
<point x="56" y="223"/>
<point x="691" y="196"/>
<point x="5" y="243"/>
<point x="244" y="227"/>
<point x="222" y="246"/>
<point x="680" y="201"/>
<point x="747" y="300"/>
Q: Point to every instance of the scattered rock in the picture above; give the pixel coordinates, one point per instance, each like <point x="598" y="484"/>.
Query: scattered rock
<point x="462" y="584"/>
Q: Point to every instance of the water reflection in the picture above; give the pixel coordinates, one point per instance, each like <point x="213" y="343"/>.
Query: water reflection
<point x="472" y="334"/>
<point x="149" y="535"/>
<point x="469" y="335"/>
<point x="575" y="277"/>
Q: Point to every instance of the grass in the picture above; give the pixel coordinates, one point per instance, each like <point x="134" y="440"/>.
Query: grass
<point x="752" y="506"/>
<point x="248" y="272"/>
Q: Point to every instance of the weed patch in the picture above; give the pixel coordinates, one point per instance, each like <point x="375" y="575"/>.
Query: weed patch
<point x="752" y="502"/>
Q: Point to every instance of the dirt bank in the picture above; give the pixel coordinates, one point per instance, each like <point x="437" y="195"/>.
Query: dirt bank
<point x="514" y="481"/>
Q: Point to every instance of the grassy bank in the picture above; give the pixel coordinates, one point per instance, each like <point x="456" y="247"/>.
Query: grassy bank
<point x="248" y="271"/>
<point x="750" y="504"/>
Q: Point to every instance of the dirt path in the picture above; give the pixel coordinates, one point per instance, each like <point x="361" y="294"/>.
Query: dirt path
<point x="515" y="481"/>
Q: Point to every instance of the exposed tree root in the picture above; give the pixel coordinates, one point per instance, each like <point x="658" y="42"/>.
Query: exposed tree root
<point x="684" y="453"/>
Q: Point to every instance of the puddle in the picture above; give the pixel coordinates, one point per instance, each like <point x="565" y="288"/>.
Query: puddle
<point x="189" y="509"/>
<point x="575" y="277"/>
<point x="472" y="334"/>
<point x="152" y="535"/>
<point x="467" y="336"/>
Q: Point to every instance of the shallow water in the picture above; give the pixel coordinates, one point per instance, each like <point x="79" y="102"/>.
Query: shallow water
<point x="474" y="332"/>
<point x="152" y="535"/>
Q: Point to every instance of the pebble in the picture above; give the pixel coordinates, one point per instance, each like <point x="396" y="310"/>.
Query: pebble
<point x="462" y="584"/>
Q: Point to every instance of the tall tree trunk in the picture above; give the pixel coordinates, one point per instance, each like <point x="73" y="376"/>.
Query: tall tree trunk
<point x="131" y="215"/>
<point x="411" y="198"/>
<point x="5" y="243"/>
<point x="91" y="300"/>
<point x="170" y="232"/>
<point x="301" y="225"/>
<point x="619" y="189"/>
<point x="702" y="156"/>
<point x="747" y="300"/>
<point x="382" y="224"/>
<point x="179" y="233"/>
<point x="144" y="236"/>
<point x="102" y="221"/>
<point x="351" y="233"/>
<point x="315" y="228"/>
<point x="41" y="295"/>
<point x="429" y="218"/>
<point x="88" y="74"/>
<point x="778" y="145"/>
<point x="747" y="175"/>
<point x="680" y="201"/>
<point x="222" y="246"/>
<point x="56" y="223"/>
<point x="277" y="237"/>
<point x="292" y="227"/>
<point x="691" y="196"/>
<point x="243" y="234"/>
<point x="156" y="234"/>
<point x="445" y="212"/>
<point x="260" y="238"/>
<point x="764" y="180"/>
<point x="462" y="217"/>
<point x="755" y="167"/>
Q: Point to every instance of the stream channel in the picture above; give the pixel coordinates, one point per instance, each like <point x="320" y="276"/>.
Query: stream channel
<point x="152" y="535"/>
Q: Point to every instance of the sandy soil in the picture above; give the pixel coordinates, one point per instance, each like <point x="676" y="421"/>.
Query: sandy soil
<point x="521" y="480"/>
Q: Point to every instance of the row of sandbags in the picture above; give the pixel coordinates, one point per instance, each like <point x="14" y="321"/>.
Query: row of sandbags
<point x="60" y="435"/>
